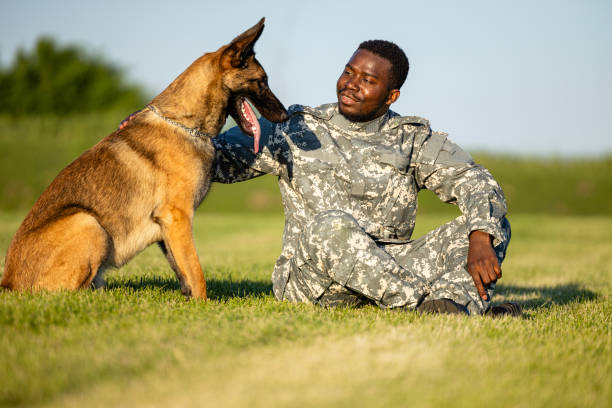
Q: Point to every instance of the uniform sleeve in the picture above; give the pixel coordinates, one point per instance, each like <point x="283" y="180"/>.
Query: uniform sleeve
<point x="444" y="168"/>
<point x="235" y="159"/>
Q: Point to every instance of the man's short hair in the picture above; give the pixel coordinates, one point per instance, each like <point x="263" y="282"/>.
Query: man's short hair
<point x="392" y="53"/>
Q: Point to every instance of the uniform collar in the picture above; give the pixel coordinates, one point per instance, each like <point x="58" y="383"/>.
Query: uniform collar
<point x="373" y="126"/>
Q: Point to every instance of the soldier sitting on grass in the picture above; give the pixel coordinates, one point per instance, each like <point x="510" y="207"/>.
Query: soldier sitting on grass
<point x="349" y="173"/>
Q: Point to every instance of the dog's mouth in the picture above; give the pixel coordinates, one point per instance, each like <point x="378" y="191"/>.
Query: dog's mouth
<point x="245" y="118"/>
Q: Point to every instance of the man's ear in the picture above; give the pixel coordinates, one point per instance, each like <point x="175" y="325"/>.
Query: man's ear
<point x="393" y="95"/>
<point x="241" y="47"/>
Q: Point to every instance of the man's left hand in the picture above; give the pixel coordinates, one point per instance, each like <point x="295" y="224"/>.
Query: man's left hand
<point x="482" y="263"/>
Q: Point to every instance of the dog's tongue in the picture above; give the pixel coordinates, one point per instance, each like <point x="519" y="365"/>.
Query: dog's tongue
<point x="252" y="119"/>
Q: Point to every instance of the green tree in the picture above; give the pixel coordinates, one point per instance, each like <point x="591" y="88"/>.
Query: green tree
<point x="54" y="79"/>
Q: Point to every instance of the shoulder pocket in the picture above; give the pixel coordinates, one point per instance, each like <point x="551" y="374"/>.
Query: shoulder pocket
<point x="451" y="154"/>
<point x="431" y="148"/>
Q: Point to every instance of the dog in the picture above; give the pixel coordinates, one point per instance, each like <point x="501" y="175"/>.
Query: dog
<point x="142" y="184"/>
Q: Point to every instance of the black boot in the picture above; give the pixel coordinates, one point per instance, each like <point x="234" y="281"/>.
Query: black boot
<point x="443" y="305"/>
<point x="506" y="309"/>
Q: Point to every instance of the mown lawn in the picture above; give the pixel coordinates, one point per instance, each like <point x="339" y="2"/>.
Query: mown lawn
<point x="140" y="343"/>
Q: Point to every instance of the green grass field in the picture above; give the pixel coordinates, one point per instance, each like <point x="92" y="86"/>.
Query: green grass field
<point x="139" y="342"/>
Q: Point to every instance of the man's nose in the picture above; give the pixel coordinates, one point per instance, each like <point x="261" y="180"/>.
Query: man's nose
<point x="352" y="83"/>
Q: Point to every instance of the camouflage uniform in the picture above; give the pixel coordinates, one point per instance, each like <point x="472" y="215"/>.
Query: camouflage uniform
<point x="349" y="192"/>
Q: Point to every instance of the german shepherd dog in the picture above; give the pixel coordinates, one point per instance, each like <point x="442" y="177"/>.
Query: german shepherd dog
<point x="141" y="184"/>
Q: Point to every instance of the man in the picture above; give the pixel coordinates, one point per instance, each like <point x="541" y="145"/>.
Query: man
<point x="349" y="174"/>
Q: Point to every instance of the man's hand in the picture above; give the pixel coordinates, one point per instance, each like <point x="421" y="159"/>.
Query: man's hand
<point x="482" y="263"/>
<point x="125" y="121"/>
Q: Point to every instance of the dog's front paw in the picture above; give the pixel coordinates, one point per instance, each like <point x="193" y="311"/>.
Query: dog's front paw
<point x="98" y="282"/>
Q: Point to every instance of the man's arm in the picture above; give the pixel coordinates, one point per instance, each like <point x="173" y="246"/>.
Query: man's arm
<point x="453" y="176"/>
<point x="236" y="161"/>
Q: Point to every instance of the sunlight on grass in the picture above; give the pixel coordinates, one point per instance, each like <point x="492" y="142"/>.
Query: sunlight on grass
<point x="139" y="342"/>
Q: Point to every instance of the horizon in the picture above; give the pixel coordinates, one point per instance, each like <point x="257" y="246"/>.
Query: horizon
<point x="521" y="79"/>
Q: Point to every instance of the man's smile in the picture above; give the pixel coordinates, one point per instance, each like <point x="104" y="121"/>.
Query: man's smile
<point x="347" y="98"/>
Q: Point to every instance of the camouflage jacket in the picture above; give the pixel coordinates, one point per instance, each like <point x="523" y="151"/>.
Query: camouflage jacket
<point x="372" y="171"/>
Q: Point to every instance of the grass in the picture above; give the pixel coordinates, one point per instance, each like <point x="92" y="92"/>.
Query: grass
<point x="140" y="343"/>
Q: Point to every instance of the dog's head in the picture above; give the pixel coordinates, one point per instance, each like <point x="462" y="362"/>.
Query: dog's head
<point x="219" y="84"/>
<point x="246" y="80"/>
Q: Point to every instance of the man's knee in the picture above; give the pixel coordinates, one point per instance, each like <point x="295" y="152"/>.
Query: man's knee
<point x="332" y="244"/>
<point x="332" y="224"/>
<point x="326" y="239"/>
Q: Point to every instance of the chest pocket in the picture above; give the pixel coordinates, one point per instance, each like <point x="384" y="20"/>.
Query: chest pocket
<point x="399" y="161"/>
<point x="377" y="174"/>
<point x="322" y="173"/>
<point x="327" y="158"/>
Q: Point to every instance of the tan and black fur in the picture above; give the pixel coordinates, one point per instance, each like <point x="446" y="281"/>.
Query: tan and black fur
<point x="141" y="184"/>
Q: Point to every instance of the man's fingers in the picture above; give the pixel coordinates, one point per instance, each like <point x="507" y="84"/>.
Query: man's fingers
<point x="492" y="276"/>
<point x="497" y="270"/>
<point x="125" y="121"/>
<point x="477" y="276"/>
<point x="486" y="273"/>
<point x="480" y="287"/>
<point x="490" y="272"/>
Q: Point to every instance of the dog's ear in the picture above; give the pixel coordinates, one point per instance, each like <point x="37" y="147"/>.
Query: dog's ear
<point x="241" y="47"/>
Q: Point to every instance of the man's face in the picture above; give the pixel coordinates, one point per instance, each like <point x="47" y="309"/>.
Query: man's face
<point x="364" y="87"/>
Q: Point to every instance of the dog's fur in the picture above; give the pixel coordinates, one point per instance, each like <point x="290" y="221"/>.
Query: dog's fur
<point x="141" y="184"/>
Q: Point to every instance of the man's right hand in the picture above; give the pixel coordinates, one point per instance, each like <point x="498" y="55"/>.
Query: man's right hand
<point x="482" y="263"/>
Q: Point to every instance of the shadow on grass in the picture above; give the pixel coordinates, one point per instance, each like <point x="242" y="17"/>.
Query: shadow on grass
<point x="224" y="289"/>
<point x="216" y="289"/>
<point x="532" y="297"/>
<point x="529" y="297"/>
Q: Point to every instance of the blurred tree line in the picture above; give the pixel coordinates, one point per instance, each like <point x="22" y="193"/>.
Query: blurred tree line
<point x="64" y="79"/>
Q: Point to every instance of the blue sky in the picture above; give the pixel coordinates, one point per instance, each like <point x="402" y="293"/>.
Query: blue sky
<point x="528" y="77"/>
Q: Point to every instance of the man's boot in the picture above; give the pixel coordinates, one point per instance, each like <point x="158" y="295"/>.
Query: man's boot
<point x="505" y="309"/>
<point x="444" y="305"/>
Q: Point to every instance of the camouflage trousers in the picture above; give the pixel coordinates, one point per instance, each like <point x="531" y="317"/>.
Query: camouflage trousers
<point x="337" y="263"/>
